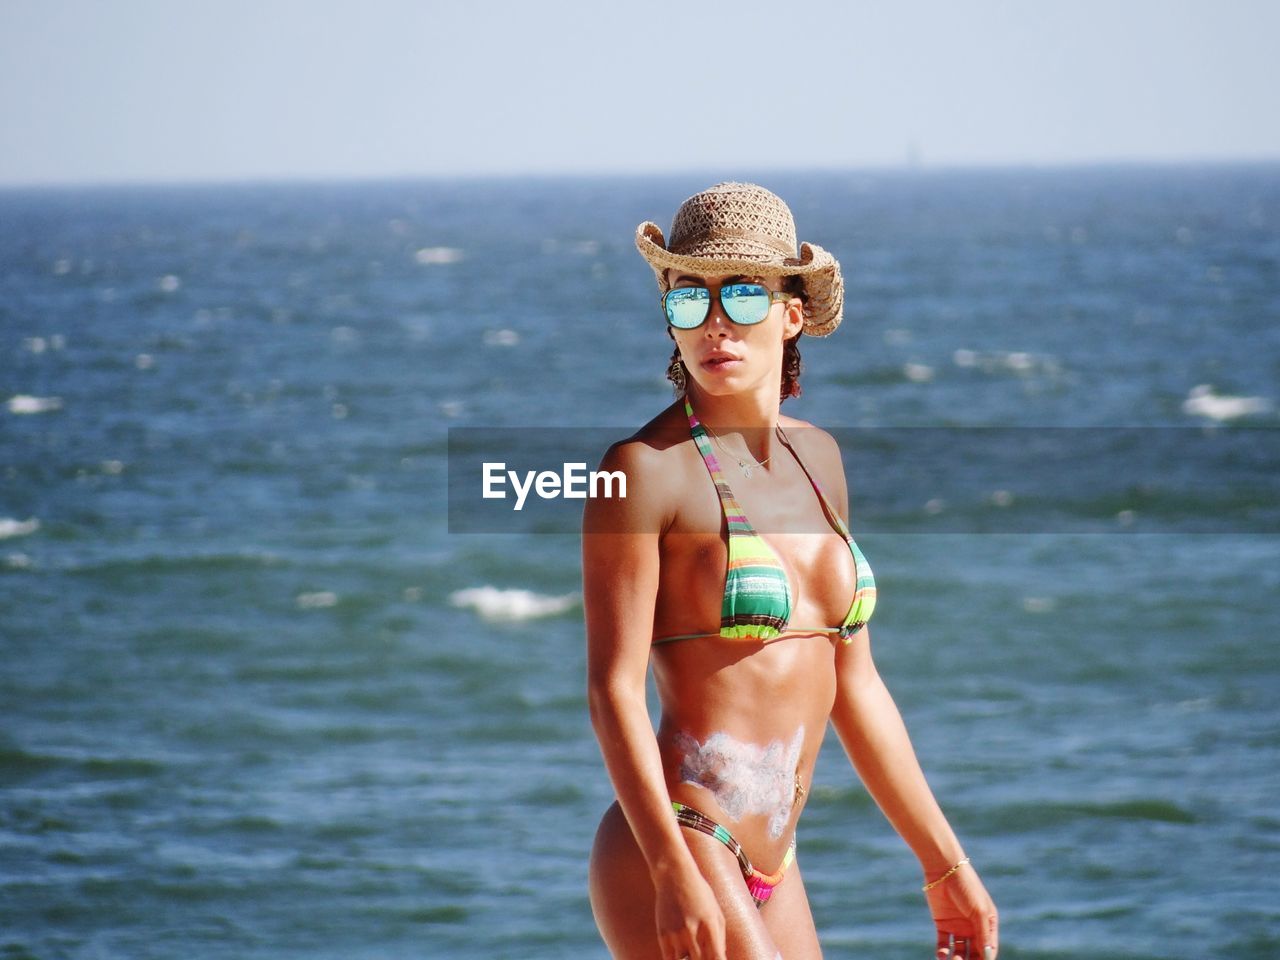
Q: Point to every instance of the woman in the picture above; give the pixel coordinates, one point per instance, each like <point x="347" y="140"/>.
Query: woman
<point x="758" y="637"/>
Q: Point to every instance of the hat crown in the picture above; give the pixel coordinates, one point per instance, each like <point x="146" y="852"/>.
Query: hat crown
<point x="747" y="215"/>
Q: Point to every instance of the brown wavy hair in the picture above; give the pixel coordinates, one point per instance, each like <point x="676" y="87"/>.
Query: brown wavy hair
<point x="790" y="386"/>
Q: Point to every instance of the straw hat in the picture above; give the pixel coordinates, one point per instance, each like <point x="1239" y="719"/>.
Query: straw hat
<point x="743" y="228"/>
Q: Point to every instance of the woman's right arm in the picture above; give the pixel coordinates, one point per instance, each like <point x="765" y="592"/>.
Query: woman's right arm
<point x="620" y="584"/>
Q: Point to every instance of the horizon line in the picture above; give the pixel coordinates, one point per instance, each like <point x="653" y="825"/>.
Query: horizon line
<point x="917" y="168"/>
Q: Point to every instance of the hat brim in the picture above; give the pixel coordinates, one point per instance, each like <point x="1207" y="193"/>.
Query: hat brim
<point x="819" y="270"/>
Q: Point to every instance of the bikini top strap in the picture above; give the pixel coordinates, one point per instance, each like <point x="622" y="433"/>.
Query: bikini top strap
<point x="841" y="528"/>
<point x="737" y="520"/>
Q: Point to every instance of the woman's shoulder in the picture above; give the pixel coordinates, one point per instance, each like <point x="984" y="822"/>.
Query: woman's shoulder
<point x="812" y="442"/>
<point x="653" y="446"/>
<point x="654" y="462"/>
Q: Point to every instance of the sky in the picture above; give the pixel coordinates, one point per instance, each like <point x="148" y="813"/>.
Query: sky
<point x="180" y="90"/>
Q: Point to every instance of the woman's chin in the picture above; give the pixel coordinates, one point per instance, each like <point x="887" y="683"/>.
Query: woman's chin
<point x="723" y="380"/>
<point x="720" y="386"/>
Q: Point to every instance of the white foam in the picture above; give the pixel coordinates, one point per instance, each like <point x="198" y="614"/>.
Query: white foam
<point x="917" y="372"/>
<point x="320" y="598"/>
<point x="1203" y="402"/>
<point x="25" y="403"/>
<point x="494" y="604"/>
<point x="17" y="528"/>
<point x="1019" y="361"/>
<point x="501" y="338"/>
<point x="438" y="255"/>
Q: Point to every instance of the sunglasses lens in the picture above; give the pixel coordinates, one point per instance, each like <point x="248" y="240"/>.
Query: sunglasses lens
<point x="745" y="302"/>
<point x="687" y="306"/>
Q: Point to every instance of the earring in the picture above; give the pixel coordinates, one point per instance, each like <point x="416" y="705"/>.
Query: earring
<point x="675" y="373"/>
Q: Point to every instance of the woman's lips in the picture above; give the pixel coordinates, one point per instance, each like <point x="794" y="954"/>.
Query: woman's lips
<point x="722" y="362"/>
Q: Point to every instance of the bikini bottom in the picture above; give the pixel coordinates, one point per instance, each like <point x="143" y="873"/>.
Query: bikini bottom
<point x="760" y="885"/>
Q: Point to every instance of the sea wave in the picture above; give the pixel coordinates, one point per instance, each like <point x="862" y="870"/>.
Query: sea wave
<point x="496" y="604"/>
<point x="1201" y="401"/>
<point x="25" y="403"/>
<point x="10" y="527"/>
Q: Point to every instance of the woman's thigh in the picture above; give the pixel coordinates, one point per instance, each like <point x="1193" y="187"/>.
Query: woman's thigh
<point x="789" y="919"/>
<point x="622" y="895"/>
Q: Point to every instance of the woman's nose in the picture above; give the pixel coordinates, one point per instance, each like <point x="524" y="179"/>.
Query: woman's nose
<point x="717" y="322"/>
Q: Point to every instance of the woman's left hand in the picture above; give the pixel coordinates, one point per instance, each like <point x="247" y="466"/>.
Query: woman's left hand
<point x="965" y="915"/>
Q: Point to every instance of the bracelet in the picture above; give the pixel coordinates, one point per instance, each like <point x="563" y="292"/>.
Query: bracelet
<point x="933" y="883"/>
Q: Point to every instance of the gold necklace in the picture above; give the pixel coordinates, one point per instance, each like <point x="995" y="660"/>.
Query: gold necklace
<point x="742" y="464"/>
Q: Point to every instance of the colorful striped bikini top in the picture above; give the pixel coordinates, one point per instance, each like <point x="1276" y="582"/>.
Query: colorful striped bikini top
<point x="757" y="596"/>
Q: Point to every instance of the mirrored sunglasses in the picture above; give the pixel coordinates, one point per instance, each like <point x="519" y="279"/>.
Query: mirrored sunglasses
<point x="744" y="303"/>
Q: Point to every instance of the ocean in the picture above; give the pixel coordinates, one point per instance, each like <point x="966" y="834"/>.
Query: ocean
<point x="264" y="695"/>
